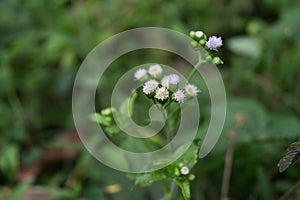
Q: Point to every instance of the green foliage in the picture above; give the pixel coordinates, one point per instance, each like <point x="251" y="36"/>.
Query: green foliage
<point x="9" y="161"/>
<point x="172" y="172"/>
<point x="42" y="45"/>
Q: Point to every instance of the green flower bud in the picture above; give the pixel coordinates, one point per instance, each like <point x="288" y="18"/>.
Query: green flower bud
<point x="194" y="44"/>
<point x="180" y="165"/>
<point x="191" y="177"/>
<point x="217" y="60"/>
<point x="202" y="42"/>
<point x="208" y="58"/>
<point x="192" y="34"/>
<point x="176" y="172"/>
<point x="106" y="111"/>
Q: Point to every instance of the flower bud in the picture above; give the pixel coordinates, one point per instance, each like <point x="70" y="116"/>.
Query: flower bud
<point x="192" y="34"/>
<point x="208" y="58"/>
<point x="194" y="44"/>
<point x="191" y="177"/>
<point x="197" y="35"/>
<point x="176" y="172"/>
<point x="217" y="60"/>
<point x="202" y="42"/>
<point x="185" y="170"/>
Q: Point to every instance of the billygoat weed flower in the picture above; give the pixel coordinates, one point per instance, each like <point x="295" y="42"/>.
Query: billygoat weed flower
<point x="150" y="86"/>
<point x="155" y="70"/>
<point x="214" y="43"/>
<point x="199" y="34"/>
<point x="165" y="81"/>
<point x="161" y="94"/>
<point x="174" y="79"/>
<point x="185" y="170"/>
<point x="191" y="90"/>
<point x="140" y="74"/>
<point x="179" y="96"/>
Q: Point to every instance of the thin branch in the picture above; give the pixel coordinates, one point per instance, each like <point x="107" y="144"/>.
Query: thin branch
<point x="240" y="121"/>
<point x="228" y="166"/>
<point x="290" y="191"/>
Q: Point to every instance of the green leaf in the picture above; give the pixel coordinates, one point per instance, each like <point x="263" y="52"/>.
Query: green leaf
<point x="19" y="191"/>
<point x="254" y="116"/>
<point x="245" y="46"/>
<point x="127" y="106"/>
<point x="96" y="117"/>
<point x="185" y="188"/>
<point x="190" y="157"/>
<point x="265" y="188"/>
<point x="148" y="178"/>
<point x="9" y="161"/>
<point x="112" y="130"/>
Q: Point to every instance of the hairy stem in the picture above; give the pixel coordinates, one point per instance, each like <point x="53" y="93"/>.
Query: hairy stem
<point x="200" y="61"/>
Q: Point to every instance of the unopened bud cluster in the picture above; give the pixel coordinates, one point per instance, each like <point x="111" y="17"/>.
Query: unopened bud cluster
<point x="162" y="87"/>
<point x="183" y="171"/>
<point x="211" y="44"/>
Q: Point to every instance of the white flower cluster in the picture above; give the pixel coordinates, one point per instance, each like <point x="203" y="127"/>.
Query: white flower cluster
<point x="154" y="71"/>
<point x="166" y="88"/>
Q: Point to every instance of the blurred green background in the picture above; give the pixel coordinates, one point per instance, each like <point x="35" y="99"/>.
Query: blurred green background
<point x="43" y="44"/>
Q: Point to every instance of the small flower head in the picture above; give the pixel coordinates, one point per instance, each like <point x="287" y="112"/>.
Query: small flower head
<point x="179" y="96"/>
<point x="191" y="90"/>
<point x="199" y="34"/>
<point x="155" y="71"/>
<point x="185" y="170"/>
<point x="150" y="86"/>
<point x="174" y="79"/>
<point x="214" y="43"/>
<point x="141" y="75"/>
<point x="165" y="81"/>
<point x="161" y="94"/>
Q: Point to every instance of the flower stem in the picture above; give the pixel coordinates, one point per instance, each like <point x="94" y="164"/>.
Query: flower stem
<point x="200" y="61"/>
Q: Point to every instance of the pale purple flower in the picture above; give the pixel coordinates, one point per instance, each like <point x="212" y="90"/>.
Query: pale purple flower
<point x="150" y="86"/>
<point x="191" y="90"/>
<point x="155" y="70"/>
<point x="214" y="43"/>
<point x="161" y="93"/>
<point x="165" y="81"/>
<point x="174" y="79"/>
<point x="140" y="74"/>
<point x="179" y="96"/>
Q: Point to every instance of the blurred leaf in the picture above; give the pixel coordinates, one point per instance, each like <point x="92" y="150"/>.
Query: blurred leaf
<point x="19" y="191"/>
<point x="127" y="106"/>
<point x="149" y="178"/>
<point x="185" y="188"/>
<point x="282" y="126"/>
<point x="112" y="130"/>
<point x="96" y="117"/>
<point x="9" y="161"/>
<point x="252" y="116"/>
<point x="264" y="185"/>
<point x="190" y="157"/>
<point x="245" y="46"/>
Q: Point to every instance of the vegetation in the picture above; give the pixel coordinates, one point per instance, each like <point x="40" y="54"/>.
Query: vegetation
<point x="43" y="44"/>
